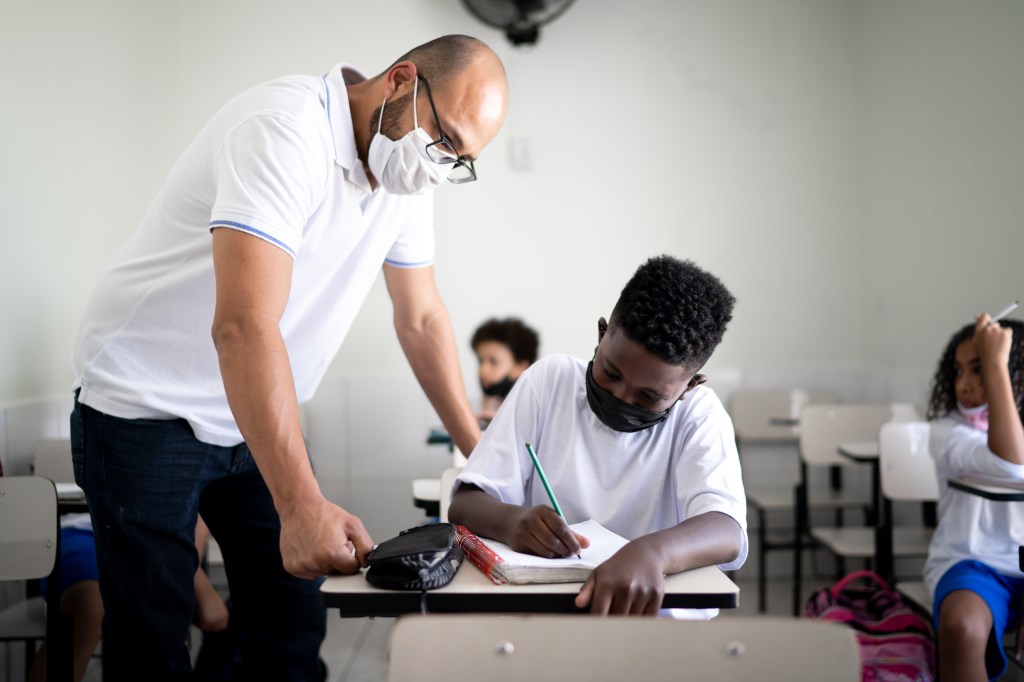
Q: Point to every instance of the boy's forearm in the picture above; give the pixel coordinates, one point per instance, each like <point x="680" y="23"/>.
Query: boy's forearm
<point x="1005" y="432"/>
<point x="705" y="540"/>
<point x="482" y="514"/>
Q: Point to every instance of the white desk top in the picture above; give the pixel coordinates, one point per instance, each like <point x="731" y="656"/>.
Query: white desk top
<point x="989" y="489"/>
<point x="860" y="450"/>
<point x="472" y="591"/>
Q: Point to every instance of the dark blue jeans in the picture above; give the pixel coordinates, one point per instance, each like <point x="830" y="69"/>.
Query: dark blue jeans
<point x="146" y="480"/>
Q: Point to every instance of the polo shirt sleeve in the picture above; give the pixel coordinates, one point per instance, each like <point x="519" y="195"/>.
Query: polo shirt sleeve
<point x="271" y="173"/>
<point x="961" y="449"/>
<point x="498" y="465"/>
<point x="414" y="247"/>
<point x="708" y="476"/>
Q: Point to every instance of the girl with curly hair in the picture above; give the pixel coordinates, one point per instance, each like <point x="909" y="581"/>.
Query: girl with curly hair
<point x="973" y="567"/>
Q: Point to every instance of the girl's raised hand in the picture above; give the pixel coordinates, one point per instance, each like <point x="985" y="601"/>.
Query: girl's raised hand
<point x="992" y="341"/>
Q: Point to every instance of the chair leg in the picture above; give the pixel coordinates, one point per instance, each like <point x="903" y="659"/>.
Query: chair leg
<point x="30" y="656"/>
<point x="1020" y="633"/>
<point x="800" y="509"/>
<point x="762" y="562"/>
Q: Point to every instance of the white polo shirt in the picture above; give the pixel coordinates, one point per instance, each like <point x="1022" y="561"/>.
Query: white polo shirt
<point x="971" y="527"/>
<point x="278" y="162"/>
<point x="632" y="483"/>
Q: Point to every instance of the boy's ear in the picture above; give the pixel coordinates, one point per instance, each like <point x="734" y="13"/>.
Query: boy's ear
<point x="695" y="381"/>
<point x="602" y="328"/>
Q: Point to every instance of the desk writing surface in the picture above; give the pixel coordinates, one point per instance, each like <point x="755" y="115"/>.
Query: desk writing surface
<point x="989" y="489"/>
<point x="472" y="591"/>
<point x="859" y="450"/>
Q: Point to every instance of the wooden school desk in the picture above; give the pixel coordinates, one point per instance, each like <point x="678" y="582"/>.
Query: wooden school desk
<point x="472" y="592"/>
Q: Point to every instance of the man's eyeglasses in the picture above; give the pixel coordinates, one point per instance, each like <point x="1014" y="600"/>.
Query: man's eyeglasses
<point x="442" y="150"/>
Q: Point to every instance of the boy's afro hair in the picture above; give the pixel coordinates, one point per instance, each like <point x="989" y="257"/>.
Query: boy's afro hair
<point x="675" y="310"/>
<point x="511" y="332"/>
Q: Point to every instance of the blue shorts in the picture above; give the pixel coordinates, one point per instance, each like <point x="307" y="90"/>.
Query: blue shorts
<point x="1000" y="592"/>
<point x="77" y="558"/>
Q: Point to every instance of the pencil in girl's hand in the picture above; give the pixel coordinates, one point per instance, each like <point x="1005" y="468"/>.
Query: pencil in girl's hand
<point x="1005" y="311"/>
<point x="544" y="480"/>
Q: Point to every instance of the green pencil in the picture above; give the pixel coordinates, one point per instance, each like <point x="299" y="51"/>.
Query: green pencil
<point x="544" y="480"/>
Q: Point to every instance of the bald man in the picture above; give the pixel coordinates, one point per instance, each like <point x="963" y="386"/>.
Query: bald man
<point x="220" y="316"/>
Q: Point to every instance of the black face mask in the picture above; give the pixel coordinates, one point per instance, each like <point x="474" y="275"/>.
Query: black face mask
<point x="500" y="389"/>
<point x="616" y="414"/>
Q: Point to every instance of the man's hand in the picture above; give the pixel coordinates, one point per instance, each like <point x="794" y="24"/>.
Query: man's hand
<point x="631" y="582"/>
<point x="541" y="531"/>
<point x="318" y="538"/>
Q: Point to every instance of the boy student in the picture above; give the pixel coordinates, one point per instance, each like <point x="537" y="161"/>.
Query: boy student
<point x="504" y="349"/>
<point x="630" y="439"/>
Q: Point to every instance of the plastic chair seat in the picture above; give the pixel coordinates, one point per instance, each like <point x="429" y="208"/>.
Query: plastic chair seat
<point x="859" y="542"/>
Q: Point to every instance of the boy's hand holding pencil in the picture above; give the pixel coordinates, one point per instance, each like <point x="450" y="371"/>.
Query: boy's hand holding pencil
<point x="541" y="531"/>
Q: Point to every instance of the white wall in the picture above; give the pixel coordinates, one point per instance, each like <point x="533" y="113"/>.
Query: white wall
<point x="784" y="145"/>
<point x="943" y="166"/>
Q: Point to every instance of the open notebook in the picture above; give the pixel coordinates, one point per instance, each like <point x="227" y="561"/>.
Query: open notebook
<point x="502" y="564"/>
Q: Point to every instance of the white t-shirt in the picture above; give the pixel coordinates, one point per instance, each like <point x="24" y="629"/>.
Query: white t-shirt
<point x="278" y="162"/>
<point x="632" y="483"/>
<point x="971" y="527"/>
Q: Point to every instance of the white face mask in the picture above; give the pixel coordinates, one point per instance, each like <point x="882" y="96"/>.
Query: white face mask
<point x="975" y="416"/>
<point x="402" y="166"/>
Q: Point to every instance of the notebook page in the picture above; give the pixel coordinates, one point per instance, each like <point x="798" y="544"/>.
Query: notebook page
<point x="603" y="544"/>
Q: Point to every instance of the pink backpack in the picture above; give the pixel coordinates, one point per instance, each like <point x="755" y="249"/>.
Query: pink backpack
<point x="897" y="643"/>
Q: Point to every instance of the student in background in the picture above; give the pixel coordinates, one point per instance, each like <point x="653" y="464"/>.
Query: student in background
<point x="972" y="568"/>
<point x="630" y="439"/>
<point x="504" y="349"/>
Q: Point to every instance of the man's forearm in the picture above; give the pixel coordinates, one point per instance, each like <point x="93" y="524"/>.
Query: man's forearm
<point x="430" y="348"/>
<point x="261" y="393"/>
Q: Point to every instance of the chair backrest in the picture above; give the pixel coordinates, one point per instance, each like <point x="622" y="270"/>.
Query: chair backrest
<point x="28" y="527"/>
<point x="906" y="412"/>
<point x="907" y="467"/>
<point x="824" y="426"/>
<point x="502" y="648"/>
<point x="447" y="480"/>
<point x="53" y="460"/>
<point x="752" y="411"/>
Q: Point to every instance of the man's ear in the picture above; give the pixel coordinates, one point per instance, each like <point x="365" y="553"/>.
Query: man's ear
<point x="399" y="75"/>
